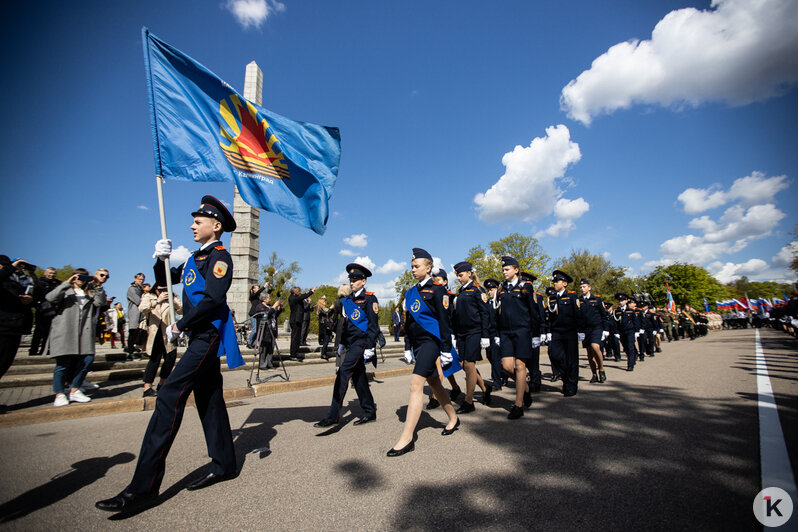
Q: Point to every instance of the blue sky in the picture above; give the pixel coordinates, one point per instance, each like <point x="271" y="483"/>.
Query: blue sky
<point x="461" y="122"/>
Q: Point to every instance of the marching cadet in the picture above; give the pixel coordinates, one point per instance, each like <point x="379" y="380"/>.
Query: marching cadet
<point x="648" y="327"/>
<point x="471" y="328"/>
<point x="516" y="308"/>
<point x="626" y="318"/>
<point x="640" y="336"/>
<point x="206" y="277"/>
<point x="565" y="326"/>
<point x="656" y="323"/>
<point x="551" y="294"/>
<point x="596" y="323"/>
<point x="439" y="277"/>
<point x="613" y="341"/>
<point x="357" y="346"/>
<point x="539" y="328"/>
<point x="428" y="334"/>
<point x="494" y="352"/>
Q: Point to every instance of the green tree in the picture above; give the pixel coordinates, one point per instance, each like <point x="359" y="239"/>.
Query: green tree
<point x="605" y="279"/>
<point x="62" y="274"/>
<point x="525" y="249"/>
<point x="404" y="283"/>
<point x="742" y="287"/>
<point x="280" y="275"/>
<point x="688" y="283"/>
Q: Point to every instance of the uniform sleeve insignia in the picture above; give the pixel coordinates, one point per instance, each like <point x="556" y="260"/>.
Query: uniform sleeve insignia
<point x="446" y="302"/>
<point x="484" y="297"/>
<point x="376" y="307"/>
<point x="219" y="269"/>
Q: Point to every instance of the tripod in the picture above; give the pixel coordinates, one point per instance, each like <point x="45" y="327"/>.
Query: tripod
<point x="265" y="333"/>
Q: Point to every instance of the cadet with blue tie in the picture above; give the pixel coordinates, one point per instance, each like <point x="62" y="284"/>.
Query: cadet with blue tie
<point x="206" y="277"/>
<point x="566" y="332"/>
<point x="357" y="344"/>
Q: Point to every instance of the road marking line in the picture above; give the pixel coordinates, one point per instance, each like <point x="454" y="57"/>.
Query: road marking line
<point x="774" y="460"/>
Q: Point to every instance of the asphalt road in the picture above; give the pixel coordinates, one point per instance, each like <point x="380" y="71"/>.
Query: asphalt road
<point x="673" y="445"/>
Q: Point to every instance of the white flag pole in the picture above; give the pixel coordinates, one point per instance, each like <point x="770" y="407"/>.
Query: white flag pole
<point x="167" y="266"/>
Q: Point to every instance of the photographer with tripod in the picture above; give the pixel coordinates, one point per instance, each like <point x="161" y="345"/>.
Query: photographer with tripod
<point x="266" y="329"/>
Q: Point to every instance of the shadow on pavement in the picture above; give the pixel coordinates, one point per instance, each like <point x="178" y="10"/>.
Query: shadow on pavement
<point x="61" y="486"/>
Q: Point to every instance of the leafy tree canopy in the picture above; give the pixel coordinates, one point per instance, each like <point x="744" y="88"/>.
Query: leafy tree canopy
<point x="605" y="279"/>
<point x="688" y="283"/>
<point x="525" y="249"/>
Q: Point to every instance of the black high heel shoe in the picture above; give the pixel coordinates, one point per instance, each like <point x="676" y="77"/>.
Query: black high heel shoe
<point x="404" y="450"/>
<point x="446" y="432"/>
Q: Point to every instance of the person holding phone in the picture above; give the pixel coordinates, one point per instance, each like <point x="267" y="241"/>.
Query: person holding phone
<point x="76" y="301"/>
<point x="15" y="304"/>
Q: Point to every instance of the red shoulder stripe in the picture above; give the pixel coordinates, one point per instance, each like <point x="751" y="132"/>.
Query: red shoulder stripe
<point x="220" y="248"/>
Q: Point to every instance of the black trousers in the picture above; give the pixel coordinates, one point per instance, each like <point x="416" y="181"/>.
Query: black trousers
<point x="305" y="330"/>
<point x="564" y="354"/>
<point x="8" y="350"/>
<point x="641" y="346"/>
<point x="533" y="366"/>
<point x="296" y="340"/>
<point x="197" y="371"/>
<point x="158" y="352"/>
<point x="352" y="367"/>
<point x="628" y="341"/>
<point x="495" y="358"/>
<point x="40" y="334"/>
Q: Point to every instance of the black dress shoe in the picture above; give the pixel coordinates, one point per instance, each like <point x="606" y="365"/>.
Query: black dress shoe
<point x="659" y="350"/>
<point x="125" y="502"/>
<point x="326" y="422"/>
<point x="527" y="399"/>
<point x="631" y="368"/>
<point x="399" y="452"/>
<point x="209" y="480"/>
<point x="515" y="412"/>
<point x="454" y="394"/>
<point x="433" y="403"/>
<point x="602" y="376"/>
<point x="149" y="392"/>
<point x="447" y="432"/>
<point x="486" y="395"/>
<point x="569" y="393"/>
<point x="594" y="379"/>
<point x="534" y="388"/>
<point x="365" y="419"/>
<point x="466" y="408"/>
<point x="554" y="378"/>
<point x="617" y="359"/>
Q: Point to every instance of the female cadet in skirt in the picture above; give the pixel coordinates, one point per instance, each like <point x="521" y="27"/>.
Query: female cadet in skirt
<point x="428" y="334"/>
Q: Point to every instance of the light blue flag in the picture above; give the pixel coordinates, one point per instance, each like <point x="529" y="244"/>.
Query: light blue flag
<point x="203" y="130"/>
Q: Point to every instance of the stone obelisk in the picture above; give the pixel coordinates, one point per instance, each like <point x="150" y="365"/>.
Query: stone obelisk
<point x="244" y="246"/>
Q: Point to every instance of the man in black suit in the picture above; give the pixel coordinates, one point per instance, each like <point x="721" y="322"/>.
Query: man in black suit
<point x="295" y="302"/>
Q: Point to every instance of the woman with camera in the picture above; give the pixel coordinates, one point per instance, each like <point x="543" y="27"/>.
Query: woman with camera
<point x="72" y="334"/>
<point x="325" y="325"/>
<point x="154" y="308"/>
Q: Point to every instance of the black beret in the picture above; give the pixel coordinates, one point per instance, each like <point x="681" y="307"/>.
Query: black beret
<point x="440" y="272"/>
<point x="550" y="291"/>
<point x="509" y="261"/>
<point x="464" y="266"/>
<point x="528" y="277"/>
<point x="559" y="274"/>
<point x="357" y="271"/>
<point x="213" y="208"/>
<point x="584" y="281"/>
<point x="620" y="296"/>
<point x="491" y="283"/>
<point x="419" y="253"/>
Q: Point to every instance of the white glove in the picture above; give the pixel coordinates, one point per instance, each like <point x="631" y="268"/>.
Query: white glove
<point x="454" y="341"/>
<point x="637" y="334"/>
<point x="548" y="338"/>
<point x="341" y="349"/>
<point x="642" y="331"/>
<point x="604" y="335"/>
<point x="542" y="339"/>
<point x="484" y="342"/>
<point x="662" y="331"/>
<point x="794" y="322"/>
<point x="368" y="354"/>
<point x="446" y="358"/>
<point x="580" y="337"/>
<point x="618" y="336"/>
<point x="172" y="334"/>
<point x="535" y="342"/>
<point x="163" y="248"/>
<point x="408" y="357"/>
<point x="496" y="341"/>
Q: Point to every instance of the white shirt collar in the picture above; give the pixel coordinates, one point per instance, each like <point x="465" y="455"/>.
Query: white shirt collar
<point x="357" y="294"/>
<point x="425" y="281"/>
<point x="469" y="283"/>
<point x="561" y="292"/>
<point x="208" y="243"/>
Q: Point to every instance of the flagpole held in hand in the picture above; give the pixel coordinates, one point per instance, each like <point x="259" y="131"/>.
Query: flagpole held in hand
<point x="167" y="266"/>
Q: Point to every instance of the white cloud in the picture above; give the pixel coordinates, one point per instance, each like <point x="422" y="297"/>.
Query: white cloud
<point x="785" y="255"/>
<point x="385" y="292"/>
<point x="143" y="207"/>
<point x="347" y="253"/>
<point x="606" y="254"/>
<point x="179" y="255"/>
<point x="695" y="250"/>
<point x="437" y="263"/>
<point x="635" y="256"/>
<point x="557" y="229"/>
<point x="566" y="212"/>
<point x="342" y="278"/>
<point x="227" y="204"/>
<point x="392" y="267"/>
<point x="253" y="12"/>
<point x="357" y="241"/>
<point x="365" y="261"/>
<point x="738" y="51"/>
<point x="529" y="188"/>
<point x="750" y="190"/>
<point x="739" y="223"/>
<point x="755" y="269"/>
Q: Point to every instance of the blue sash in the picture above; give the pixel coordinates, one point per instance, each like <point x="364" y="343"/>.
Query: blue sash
<point x="423" y="316"/>
<point x="193" y="286"/>
<point x="356" y="315"/>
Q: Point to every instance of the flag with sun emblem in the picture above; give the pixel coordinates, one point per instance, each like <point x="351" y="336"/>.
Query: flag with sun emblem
<point x="203" y="130"/>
